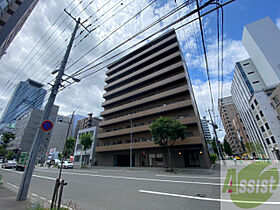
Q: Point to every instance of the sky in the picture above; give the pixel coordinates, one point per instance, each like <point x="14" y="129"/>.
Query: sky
<point x="39" y="47"/>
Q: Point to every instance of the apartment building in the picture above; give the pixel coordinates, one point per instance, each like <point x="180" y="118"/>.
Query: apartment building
<point x="240" y="131"/>
<point x="13" y="14"/>
<point x="148" y="83"/>
<point x="228" y="111"/>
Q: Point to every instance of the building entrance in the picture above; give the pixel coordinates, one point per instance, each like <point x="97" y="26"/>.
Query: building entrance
<point x="192" y="159"/>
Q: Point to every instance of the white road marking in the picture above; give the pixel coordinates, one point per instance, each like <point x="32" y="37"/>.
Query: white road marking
<point x="203" y="198"/>
<point x="14" y="186"/>
<point x="195" y="177"/>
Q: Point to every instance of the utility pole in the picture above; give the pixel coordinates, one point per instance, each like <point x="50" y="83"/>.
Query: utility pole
<point x="216" y="138"/>
<point x="39" y="138"/>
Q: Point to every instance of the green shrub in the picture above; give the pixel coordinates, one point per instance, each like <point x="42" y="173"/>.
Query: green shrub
<point x="213" y="158"/>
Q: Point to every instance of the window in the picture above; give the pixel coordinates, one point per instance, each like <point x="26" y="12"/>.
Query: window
<point x="251" y="72"/>
<point x="267" y="141"/>
<point x="275" y="100"/>
<point x="273" y="139"/>
<point x="188" y="134"/>
<point x="262" y="128"/>
<point x="252" y="106"/>
<point x="119" y="142"/>
<point x="106" y="144"/>
<point x="256" y="102"/>
<point x="257" y="116"/>
<point x="256" y="82"/>
<point x="261" y="113"/>
<point x="267" y="126"/>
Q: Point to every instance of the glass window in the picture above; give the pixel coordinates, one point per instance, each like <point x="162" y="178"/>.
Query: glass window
<point x="273" y="139"/>
<point x="275" y="100"/>
<point x="261" y="113"/>
<point x="252" y="106"/>
<point x="256" y="102"/>
<point x="262" y="128"/>
<point x="257" y="116"/>
<point x="267" y="126"/>
<point x="267" y="141"/>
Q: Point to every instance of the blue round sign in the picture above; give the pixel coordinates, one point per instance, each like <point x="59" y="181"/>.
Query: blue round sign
<point x="47" y="125"/>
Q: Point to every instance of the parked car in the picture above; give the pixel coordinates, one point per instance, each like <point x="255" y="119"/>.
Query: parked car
<point x="66" y="165"/>
<point x="1" y="160"/>
<point x="9" y="164"/>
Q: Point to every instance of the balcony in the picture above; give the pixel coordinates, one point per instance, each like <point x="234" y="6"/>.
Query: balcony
<point x="142" y="53"/>
<point x="148" y="112"/>
<point x="146" y="89"/>
<point x="147" y="144"/>
<point x="143" y="79"/>
<point x="147" y="100"/>
<point x="139" y="129"/>
<point x="141" y="61"/>
<point x="146" y="68"/>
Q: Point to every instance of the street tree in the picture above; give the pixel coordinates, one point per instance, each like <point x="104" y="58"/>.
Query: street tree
<point x="10" y="155"/>
<point x="69" y="147"/>
<point x="214" y="146"/>
<point x="6" y="139"/>
<point x="86" y="141"/>
<point x="227" y="148"/>
<point x="165" y="131"/>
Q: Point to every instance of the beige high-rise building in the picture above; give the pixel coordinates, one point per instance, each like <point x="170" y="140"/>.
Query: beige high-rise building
<point x="228" y="111"/>
<point x="142" y="86"/>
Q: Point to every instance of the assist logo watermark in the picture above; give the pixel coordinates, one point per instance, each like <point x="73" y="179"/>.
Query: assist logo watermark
<point x="250" y="184"/>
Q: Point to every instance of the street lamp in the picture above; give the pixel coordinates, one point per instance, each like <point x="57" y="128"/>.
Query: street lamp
<point x="130" y="153"/>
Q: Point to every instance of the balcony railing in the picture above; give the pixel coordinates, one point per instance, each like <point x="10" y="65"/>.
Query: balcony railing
<point x="143" y="79"/>
<point x="147" y="144"/>
<point x="126" y="131"/>
<point x="142" y="70"/>
<point x="145" y="89"/>
<point x="141" y="61"/>
<point x="159" y="109"/>
<point x="143" y="52"/>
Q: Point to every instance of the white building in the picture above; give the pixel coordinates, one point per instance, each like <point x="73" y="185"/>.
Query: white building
<point x="254" y="80"/>
<point x="81" y="156"/>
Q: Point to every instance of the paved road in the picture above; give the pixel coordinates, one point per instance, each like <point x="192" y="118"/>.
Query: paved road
<point x="125" y="189"/>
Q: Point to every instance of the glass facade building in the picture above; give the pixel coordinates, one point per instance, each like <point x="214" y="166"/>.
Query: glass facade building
<point x="26" y="96"/>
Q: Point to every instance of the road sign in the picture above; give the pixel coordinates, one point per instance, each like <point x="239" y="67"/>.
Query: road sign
<point x="47" y="125"/>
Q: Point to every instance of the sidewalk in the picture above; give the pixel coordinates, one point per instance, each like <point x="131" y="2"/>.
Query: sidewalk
<point x="8" y="199"/>
<point x="214" y="169"/>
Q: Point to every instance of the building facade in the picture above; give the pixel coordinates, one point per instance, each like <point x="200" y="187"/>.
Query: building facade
<point x="142" y="86"/>
<point x="26" y="96"/>
<point x="61" y="131"/>
<point x="26" y="128"/>
<point x="228" y="111"/>
<point x="86" y="122"/>
<point x="240" y="131"/>
<point x="253" y="83"/>
<point x="13" y="14"/>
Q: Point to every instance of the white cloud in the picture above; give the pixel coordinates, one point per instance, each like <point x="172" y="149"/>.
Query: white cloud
<point x="202" y="95"/>
<point x="278" y="22"/>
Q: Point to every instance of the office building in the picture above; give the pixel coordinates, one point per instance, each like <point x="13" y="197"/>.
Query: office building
<point x="149" y="82"/>
<point x="13" y="14"/>
<point x="254" y="81"/>
<point x="61" y="131"/>
<point x="26" y="128"/>
<point x="207" y="134"/>
<point x="228" y="111"/>
<point x="26" y="96"/>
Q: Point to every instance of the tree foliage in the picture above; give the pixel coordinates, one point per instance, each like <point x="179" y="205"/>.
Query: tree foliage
<point x="7" y="137"/>
<point x="165" y="131"/>
<point x="86" y="141"/>
<point x="227" y="148"/>
<point x="213" y="143"/>
<point x="69" y="147"/>
<point x="10" y="155"/>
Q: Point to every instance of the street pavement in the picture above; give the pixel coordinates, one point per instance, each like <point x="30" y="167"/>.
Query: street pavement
<point x="123" y="188"/>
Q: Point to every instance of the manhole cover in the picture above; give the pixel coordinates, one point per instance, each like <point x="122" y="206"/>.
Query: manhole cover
<point x="201" y="195"/>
